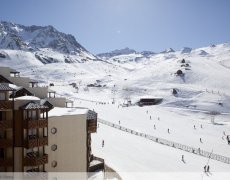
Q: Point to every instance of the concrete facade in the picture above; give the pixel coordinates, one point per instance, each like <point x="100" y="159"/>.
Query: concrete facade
<point x="70" y="140"/>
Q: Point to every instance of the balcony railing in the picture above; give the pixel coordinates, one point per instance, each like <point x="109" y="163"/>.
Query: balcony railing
<point x="96" y="164"/>
<point x="43" y="141"/>
<point x="33" y="124"/>
<point x="33" y="159"/>
<point x="92" y="125"/>
<point x="5" y="124"/>
<point x="36" y="142"/>
<point x="33" y="170"/>
<point x="6" y="143"/>
<point x="5" y="105"/>
<point x="6" y="162"/>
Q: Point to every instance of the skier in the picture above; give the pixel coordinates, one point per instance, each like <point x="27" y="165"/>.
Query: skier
<point x="201" y="126"/>
<point x="168" y="130"/>
<point x="103" y="143"/>
<point x="182" y="158"/>
<point x="228" y="139"/>
<point x="147" y="111"/>
<point x="205" y="168"/>
<point x="154" y="126"/>
<point x="201" y="140"/>
<point x="150" y="117"/>
<point x="208" y="168"/>
<point x="119" y="122"/>
<point x="194" y="127"/>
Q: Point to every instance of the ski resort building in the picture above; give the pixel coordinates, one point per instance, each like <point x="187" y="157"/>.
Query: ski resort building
<point x="148" y="101"/>
<point x="38" y="133"/>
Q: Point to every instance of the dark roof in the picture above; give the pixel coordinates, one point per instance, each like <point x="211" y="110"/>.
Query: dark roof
<point x="34" y="105"/>
<point x="46" y="103"/>
<point x="21" y="92"/>
<point x="4" y="87"/>
<point x="91" y="115"/>
<point x="14" y="72"/>
<point x="33" y="81"/>
<point x="4" y="80"/>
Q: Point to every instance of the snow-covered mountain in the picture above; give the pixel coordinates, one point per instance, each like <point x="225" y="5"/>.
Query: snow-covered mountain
<point x="190" y="71"/>
<point x="42" y="41"/>
<point x="117" y="52"/>
<point x="125" y="51"/>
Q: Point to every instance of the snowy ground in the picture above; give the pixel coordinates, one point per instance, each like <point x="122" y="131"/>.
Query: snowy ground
<point x="127" y="153"/>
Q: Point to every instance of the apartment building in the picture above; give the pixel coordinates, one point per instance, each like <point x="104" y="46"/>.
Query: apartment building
<point x="32" y="86"/>
<point x="37" y="136"/>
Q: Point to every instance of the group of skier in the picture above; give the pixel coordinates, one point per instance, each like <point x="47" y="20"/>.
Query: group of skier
<point x="206" y="168"/>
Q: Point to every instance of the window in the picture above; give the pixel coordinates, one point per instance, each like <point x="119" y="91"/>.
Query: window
<point x="54" y="147"/>
<point x="54" y="130"/>
<point x="54" y="164"/>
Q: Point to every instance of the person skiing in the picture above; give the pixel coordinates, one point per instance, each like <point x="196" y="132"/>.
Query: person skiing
<point x="182" y="158"/>
<point x="201" y="140"/>
<point x="168" y="131"/>
<point x="194" y="127"/>
<point x="103" y="143"/>
<point x="119" y="122"/>
<point x="208" y="168"/>
<point x="228" y="139"/>
<point x="150" y="117"/>
<point x="154" y="126"/>
<point x="205" y="168"/>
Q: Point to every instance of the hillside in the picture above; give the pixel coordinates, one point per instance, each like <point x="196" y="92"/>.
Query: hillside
<point x="204" y="73"/>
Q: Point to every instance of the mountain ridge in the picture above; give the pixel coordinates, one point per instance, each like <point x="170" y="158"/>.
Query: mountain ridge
<point x="37" y="38"/>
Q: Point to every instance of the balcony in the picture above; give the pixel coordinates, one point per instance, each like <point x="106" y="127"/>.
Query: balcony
<point x="92" y="126"/>
<point x="4" y="143"/>
<point x="33" y="159"/>
<point x="5" y="124"/>
<point x="96" y="164"/>
<point x="33" y="124"/>
<point x="6" y="162"/>
<point x="33" y="170"/>
<point x="36" y="142"/>
<point x="6" y="105"/>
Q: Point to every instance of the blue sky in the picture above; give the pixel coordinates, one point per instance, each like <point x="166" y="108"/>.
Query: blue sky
<point x="105" y="25"/>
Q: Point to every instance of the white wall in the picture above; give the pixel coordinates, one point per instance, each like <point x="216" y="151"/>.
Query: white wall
<point x="71" y="141"/>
